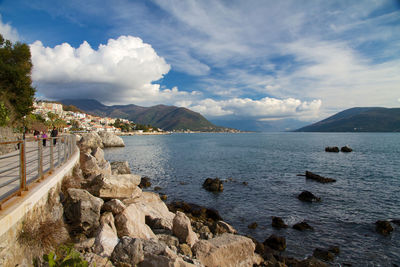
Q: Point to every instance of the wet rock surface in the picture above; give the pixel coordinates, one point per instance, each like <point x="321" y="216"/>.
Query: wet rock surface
<point x="307" y="196"/>
<point x="383" y="227"/>
<point x="277" y="222"/>
<point x="213" y="185"/>
<point x="318" y="178"/>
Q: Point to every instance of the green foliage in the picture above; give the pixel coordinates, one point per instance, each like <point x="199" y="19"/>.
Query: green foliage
<point x="72" y="108"/>
<point x="4" y="115"/>
<point x="75" y="125"/>
<point x="15" y="78"/>
<point x="65" y="256"/>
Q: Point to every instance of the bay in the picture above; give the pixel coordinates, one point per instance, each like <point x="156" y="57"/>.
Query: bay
<point x="367" y="187"/>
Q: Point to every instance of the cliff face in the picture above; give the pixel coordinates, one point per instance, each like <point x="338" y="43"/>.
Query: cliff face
<point x="6" y="135"/>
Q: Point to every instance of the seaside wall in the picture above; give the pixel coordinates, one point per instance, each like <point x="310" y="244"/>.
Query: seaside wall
<point x="6" y="135"/>
<point x="41" y="201"/>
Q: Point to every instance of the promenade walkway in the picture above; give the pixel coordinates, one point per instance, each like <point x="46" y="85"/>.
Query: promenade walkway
<point x="37" y="160"/>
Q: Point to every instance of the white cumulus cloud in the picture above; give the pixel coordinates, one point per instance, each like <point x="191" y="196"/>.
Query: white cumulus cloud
<point x="124" y="68"/>
<point x="264" y="108"/>
<point x="8" y="31"/>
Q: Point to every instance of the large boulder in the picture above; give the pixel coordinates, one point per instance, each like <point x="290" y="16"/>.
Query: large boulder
<point x="97" y="260"/>
<point x="383" y="227"/>
<point x="90" y="141"/>
<point x="131" y="222"/>
<point x="225" y="250"/>
<point x="120" y="167"/>
<point x="90" y="166"/>
<point x="182" y="229"/>
<point x="106" y="236"/>
<point x="115" y="206"/>
<point x="157" y="254"/>
<point x="98" y="153"/>
<point x="82" y="210"/>
<point x="129" y="251"/>
<point x="307" y="196"/>
<point x="115" y="186"/>
<point x="155" y="210"/>
<point x="111" y="140"/>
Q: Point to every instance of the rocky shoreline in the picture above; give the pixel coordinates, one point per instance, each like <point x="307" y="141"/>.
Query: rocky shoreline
<point x="112" y="222"/>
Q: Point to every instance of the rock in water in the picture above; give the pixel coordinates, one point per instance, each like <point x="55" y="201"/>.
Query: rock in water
<point x="332" y="149"/>
<point x="383" y="227"/>
<point x="346" y="149"/>
<point x="302" y="226"/>
<point x="111" y="140"/>
<point x="323" y="254"/>
<point x="82" y="210"/>
<point x="318" y="178"/>
<point x="276" y="242"/>
<point x="307" y="196"/>
<point x="145" y="182"/>
<point x="120" y="167"/>
<point x="213" y="185"/>
<point x="253" y="225"/>
<point x="278" y="223"/>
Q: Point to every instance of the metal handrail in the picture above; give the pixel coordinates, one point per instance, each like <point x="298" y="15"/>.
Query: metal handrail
<point x="34" y="162"/>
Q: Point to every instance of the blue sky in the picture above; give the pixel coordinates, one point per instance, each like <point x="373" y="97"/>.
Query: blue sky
<point x="256" y="60"/>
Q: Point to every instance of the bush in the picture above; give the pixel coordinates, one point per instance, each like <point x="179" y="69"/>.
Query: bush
<point x="64" y="256"/>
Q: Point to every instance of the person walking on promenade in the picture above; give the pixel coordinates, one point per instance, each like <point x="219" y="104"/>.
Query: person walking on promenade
<point x="36" y="134"/>
<point x="54" y="133"/>
<point x="44" y="136"/>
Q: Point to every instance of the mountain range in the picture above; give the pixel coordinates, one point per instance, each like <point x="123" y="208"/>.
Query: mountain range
<point x="360" y="119"/>
<point x="165" y="117"/>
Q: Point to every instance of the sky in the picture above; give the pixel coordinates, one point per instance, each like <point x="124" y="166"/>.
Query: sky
<point x="254" y="60"/>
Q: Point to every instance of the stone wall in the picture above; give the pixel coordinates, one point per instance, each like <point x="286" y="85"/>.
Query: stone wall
<point x="42" y="202"/>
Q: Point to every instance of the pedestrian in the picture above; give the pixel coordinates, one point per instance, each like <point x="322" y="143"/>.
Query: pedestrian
<point x="44" y="136"/>
<point x="36" y="134"/>
<point x="54" y="134"/>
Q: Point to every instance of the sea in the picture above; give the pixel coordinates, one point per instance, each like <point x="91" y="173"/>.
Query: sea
<point x="367" y="187"/>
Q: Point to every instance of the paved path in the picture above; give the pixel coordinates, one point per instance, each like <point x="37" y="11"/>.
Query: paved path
<point x="9" y="165"/>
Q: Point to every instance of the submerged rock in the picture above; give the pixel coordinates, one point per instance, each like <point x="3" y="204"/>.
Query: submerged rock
<point x="213" y="185"/>
<point x="332" y="149"/>
<point x="195" y="211"/>
<point x="323" y="254"/>
<point x="302" y="226"/>
<point x="383" y="227"/>
<point x="253" y="225"/>
<point x="318" y="178"/>
<point x="278" y="223"/>
<point x="346" y="149"/>
<point x="307" y="196"/>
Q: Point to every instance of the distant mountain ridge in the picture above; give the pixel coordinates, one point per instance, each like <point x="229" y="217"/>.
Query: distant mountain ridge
<point x="165" y="117"/>
<point x="360" y="119"/>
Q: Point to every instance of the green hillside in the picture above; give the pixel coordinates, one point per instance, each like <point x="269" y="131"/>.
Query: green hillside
<point x="374" y="119"/>
<point x="165" y="117"/>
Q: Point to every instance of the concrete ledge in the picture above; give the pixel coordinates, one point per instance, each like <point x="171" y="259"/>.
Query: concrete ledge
<point x="17" y="207"/>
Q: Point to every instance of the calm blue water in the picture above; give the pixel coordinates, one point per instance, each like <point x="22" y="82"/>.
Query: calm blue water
<point x="367" y="187"/>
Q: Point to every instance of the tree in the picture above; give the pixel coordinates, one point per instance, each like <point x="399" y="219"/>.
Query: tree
<point x="16" y="91"/>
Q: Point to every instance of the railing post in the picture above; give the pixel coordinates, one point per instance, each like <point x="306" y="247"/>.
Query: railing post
<point x="58" y="150"/>
<point x="66" y="155"/>
<point x="40" y="160"/>
<point x="51" y="157"/>
<point x="22" y="166"/>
